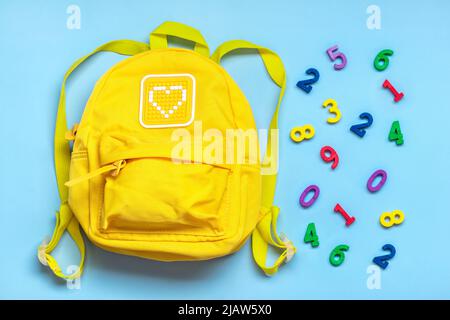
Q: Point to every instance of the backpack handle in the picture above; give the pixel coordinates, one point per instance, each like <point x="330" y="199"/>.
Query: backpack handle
<point x="158" y="38"/>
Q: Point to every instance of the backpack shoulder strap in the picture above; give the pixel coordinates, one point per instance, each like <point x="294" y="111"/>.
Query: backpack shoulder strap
<point x="265" y="232"/>
<point x="65" y="219"/>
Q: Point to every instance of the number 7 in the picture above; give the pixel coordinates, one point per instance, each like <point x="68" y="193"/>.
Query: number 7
<point x="334" y="54"/>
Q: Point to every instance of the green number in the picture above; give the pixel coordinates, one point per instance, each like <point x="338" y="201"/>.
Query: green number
<point x="337" y="256"/>
<point x="396" y="133"/>
<point x="381" y="61"/>
<point x="311" y="235"/>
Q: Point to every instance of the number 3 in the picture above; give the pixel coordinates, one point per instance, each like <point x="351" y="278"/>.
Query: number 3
<point x="334" y="54"/>
<point x="333" y="109"/>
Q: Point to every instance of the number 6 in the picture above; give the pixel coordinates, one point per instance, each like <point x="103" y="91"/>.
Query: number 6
<point x="381" y="61"/>
<point x="337" y="256"/>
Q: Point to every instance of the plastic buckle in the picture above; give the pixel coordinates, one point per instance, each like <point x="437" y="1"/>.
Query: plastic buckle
<point x="41" y="251"/>
<point x="290" y="249"/>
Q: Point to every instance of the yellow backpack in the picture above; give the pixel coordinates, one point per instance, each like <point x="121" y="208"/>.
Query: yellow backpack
<point x="136" y="180"/>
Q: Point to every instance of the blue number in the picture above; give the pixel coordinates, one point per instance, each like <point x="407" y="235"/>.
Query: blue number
<point x="305" y="85"/>
<point x="358" y="129"/>
<point x="381" y="261"/>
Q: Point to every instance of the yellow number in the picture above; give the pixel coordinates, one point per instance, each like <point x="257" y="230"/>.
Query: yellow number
<point x="388" y="219"/>
<point x="333" y="109"/>
<point x="298" y="134"/>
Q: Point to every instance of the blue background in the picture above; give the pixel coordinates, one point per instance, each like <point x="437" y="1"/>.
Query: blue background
<point x="37" y="48"/>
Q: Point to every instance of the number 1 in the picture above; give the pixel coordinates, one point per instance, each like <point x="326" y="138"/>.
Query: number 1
<point x="348" y="219"/>
<point x="397" y="95"/>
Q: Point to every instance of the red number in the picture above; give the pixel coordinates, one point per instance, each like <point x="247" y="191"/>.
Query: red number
<point x="328" y="154"/>
<point x="397" y="96"/>
<point x="348" y="219"/>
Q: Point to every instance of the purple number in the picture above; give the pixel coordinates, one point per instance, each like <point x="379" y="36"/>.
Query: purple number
<point x="306" y="204"/>
<point x="378" y="173"/>
<point x="334" y="54"/>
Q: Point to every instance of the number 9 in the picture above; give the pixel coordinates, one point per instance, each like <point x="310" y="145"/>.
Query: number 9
<point x="332" y="157"/>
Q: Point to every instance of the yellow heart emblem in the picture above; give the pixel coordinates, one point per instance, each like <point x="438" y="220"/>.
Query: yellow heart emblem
<point x="167" y="100"/>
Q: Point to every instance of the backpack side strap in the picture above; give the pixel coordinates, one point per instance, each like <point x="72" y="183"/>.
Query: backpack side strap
<point x="265" y="232"/>
<point x="65" y="220"/>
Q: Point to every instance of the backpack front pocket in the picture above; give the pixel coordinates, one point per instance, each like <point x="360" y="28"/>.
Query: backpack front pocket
<point x="159" y="196"/>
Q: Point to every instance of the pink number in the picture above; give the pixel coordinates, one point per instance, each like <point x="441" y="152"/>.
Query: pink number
<point x="348" y="219"/>
<point x="334" y="54"/>
<point x="328" y="154"/>
<point x="397" y="96"/>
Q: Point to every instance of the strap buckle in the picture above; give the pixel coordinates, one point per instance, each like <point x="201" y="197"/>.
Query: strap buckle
<point x="71" y="134"/>
<point x="42" y="251"/>
<point x="290" y="248"/>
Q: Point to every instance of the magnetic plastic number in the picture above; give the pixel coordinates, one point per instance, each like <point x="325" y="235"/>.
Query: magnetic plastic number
<point x="305" y="85"/>
<point x="381" y="61"/>
<point x="337" y="256"/>
<point x="397" y="95"/>
<point x="334" y="54"/>
<point x="328" y="154"/>
<point x="358" y="129"/>
<point x="307" y="204"/>
<point x="311" y="235"/>
<point x="378" y="173"/>
<point x="389" y="219"/>
<point x="298" y="134"/>
<point x="333" y="109"/>
<point x="382" y="261"/>
<point x="348" y="219"/>
<point x="395" y="134"/>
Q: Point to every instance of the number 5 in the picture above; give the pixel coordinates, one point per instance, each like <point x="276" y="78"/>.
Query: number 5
<point x="334" y="54"/>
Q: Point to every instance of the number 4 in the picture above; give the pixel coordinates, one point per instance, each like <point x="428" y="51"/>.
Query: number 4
<point x="396" y="133"/>
<point x="311" y="235"/>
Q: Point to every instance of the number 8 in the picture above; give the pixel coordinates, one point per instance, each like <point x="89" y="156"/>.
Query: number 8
<point x="388" y="219"/>
<point x="298" y="134"/>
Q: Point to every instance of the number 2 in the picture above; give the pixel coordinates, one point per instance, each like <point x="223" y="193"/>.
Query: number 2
<point x="305" y="85"/>
<point x="358" y="129"/>
<point x="382" y="261"/>
<point x="334" y="54"/>
<point x="333" y="110"/>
